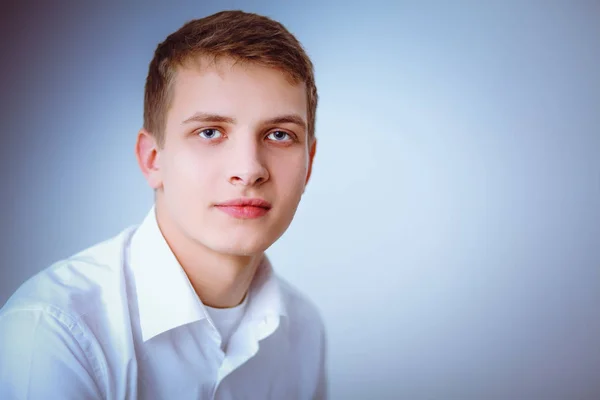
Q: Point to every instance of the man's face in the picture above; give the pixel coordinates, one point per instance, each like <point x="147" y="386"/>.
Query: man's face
<point x="233" y="132"/>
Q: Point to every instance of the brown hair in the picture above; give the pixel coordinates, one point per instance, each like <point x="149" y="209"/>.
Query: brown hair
<point x="245" y="37"/>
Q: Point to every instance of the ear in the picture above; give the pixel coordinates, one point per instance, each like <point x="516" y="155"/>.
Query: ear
<point x="311" y="157"/>
<point x="148" y="157"/>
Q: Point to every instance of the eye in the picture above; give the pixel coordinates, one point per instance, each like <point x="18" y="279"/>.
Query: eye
<point x="279" y="136"/>
<point x="210" y="133"/>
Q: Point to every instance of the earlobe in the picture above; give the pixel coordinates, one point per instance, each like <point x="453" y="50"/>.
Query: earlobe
<point x="147" y="155"/>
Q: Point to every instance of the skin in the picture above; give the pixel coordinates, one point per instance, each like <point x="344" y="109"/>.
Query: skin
<point x="206" y="161"/>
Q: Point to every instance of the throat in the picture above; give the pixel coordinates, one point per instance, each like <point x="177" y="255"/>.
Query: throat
<point x="222" y="283"/>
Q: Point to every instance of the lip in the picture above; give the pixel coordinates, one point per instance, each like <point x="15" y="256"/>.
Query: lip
<point x="244" y="202"/>
<point x="245" y="208"/>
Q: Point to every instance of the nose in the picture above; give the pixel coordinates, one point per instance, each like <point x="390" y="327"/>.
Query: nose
<point x="248" y="167"/>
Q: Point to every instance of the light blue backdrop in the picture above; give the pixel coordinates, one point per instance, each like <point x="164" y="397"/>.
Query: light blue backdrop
<point x="451" y="231"/>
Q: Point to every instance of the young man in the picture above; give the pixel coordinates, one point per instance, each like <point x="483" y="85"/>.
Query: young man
<point x="186" y="305"/>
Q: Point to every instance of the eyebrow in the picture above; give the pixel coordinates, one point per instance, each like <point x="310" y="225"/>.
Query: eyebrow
<point x="207" y="117"/>
<point x="282" y="119"/>
<point x="287" y="119"/>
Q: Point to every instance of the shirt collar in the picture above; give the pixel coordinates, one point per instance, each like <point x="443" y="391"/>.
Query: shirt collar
<point x="266" y="298"/>
<point x="165" y="296"/>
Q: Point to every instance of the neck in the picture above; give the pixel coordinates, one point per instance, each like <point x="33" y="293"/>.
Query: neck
<point x="219" y="280"/>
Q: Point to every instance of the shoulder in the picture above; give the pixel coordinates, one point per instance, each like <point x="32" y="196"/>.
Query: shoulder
<point x="76" y="285"/>
<point x="308" y="338"/>
<point x="303" y="313"/>
<point x="58" y="317"/>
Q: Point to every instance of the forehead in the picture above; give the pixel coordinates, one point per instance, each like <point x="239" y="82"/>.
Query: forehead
<point x="245" y="91"/>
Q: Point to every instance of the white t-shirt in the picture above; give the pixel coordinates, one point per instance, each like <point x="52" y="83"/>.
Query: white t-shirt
<point x="226" y="320"/>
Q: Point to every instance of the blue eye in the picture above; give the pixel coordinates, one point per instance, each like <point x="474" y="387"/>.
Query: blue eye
<point x="279" y="136"/>
<point x="210" y="133"/>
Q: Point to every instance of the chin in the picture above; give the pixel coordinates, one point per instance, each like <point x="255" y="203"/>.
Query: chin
<point x="240" y="244"/>
<point x="240" y="249"/>
<point x="245" y="239"/>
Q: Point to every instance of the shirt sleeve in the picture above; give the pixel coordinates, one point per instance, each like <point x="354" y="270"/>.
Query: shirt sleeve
<point x="44" y="354"/>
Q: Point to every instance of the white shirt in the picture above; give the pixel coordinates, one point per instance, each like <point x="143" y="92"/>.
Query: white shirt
<point x="120" y="320"/>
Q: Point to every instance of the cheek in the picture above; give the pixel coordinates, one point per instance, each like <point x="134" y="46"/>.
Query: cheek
<point x="188" y="171"/>
<point x="291" y="175"/>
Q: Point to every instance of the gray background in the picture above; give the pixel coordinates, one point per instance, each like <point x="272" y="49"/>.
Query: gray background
<point x="451" y="232"/>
